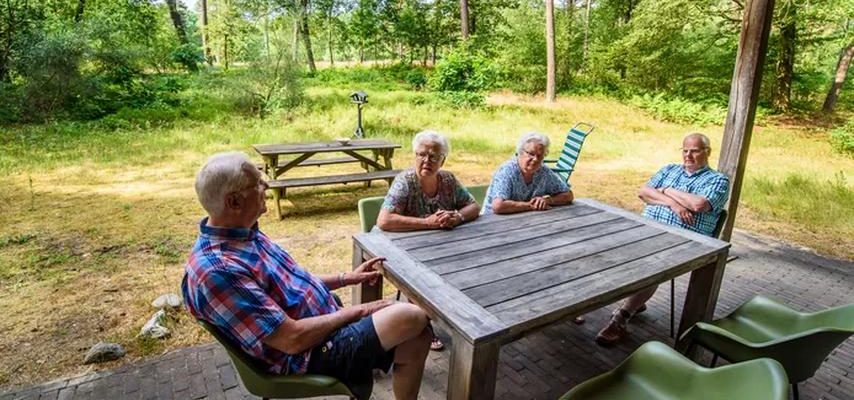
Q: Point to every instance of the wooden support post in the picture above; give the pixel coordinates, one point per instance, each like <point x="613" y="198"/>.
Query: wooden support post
<point x="363" y="293"/>
<point x="472" y="370"/>
<point x="700" y="300"/>
<point x="744" y="93"/>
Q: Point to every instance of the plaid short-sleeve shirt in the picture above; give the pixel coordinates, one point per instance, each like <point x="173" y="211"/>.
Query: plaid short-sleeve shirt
<point x="706" y="182"/>
<point x="508" y="184"/>
<point x="240" y="281"/>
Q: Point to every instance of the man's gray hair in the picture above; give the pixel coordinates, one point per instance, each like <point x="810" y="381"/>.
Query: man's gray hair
<point x="428" y="136"/>
<point x="703" y="138"/>
<point x="224" y="173"/>
<point x="535" y="137"/>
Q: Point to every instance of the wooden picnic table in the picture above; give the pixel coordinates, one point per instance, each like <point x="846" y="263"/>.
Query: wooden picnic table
<point x="300" y="155"/>
<point x="501" y="277"/>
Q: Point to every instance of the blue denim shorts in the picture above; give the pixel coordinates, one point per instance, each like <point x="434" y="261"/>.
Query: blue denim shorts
<point x="350" y="354"/>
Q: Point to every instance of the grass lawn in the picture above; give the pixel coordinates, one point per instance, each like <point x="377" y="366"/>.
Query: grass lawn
<point x="96" y="219"/>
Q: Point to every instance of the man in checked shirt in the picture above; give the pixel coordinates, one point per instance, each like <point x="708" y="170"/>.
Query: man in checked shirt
<point x="690" y="196"/>
<point x="286" y="318"/>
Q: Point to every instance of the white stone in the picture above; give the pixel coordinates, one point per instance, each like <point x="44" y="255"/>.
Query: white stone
<point x="103" y="352"/>
<point x="167" y="300"/>
<point x="153" y="327"/>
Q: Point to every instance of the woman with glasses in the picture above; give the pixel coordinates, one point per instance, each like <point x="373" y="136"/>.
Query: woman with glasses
<point x="524" y="183"/>
<point x="427" y="197"/>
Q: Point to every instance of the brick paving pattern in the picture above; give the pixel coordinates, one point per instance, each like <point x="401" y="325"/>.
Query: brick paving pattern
<point x="540" y="366"/>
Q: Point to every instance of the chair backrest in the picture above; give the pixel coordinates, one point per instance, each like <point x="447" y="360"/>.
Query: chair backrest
<point x="719" y="226"/>
<point x="369" y="207"/>
<point x="572" y="149"/>
<point x="479" y="192"/>
<point x="369" y="210"/>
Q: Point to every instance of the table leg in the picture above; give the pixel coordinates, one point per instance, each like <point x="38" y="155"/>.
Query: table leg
<point x="363" y="293"/>
<point x="473" y="369"/>
<point x="701" y="299"/>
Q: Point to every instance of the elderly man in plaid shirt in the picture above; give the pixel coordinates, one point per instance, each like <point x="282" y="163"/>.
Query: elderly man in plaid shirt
<point x="690" y="196"/>
<point x="257" y="295"/>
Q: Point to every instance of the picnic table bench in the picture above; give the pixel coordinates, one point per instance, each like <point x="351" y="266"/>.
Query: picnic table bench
<point x="377" y="164"/>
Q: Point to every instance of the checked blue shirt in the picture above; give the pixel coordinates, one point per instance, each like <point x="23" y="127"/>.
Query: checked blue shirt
<point x="240" y="281"/>
<point x="706" y="182"/>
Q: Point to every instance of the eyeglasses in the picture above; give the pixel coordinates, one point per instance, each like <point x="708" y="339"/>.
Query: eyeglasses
<point x="431" y="157"/>
<point x="530" y="154"/>
<point x="693" y="152"/>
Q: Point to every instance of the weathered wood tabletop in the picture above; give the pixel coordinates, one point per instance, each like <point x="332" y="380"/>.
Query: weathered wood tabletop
<point x="495" y="279"/>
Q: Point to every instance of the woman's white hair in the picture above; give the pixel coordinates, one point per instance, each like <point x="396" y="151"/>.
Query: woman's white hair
<point x="535" y="137"/>
<point x="224" y="173"/>
<point x="432" y="137"/>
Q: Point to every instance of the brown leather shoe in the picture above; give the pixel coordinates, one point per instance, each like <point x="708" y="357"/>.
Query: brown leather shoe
<point x="616" y="330"/>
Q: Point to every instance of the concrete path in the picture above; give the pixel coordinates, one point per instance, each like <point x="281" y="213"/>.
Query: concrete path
<point x="540" y="366"/>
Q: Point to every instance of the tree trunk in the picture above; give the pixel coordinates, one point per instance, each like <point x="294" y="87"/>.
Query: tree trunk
<point x="225" y="52"/>
<point x="205" y="39"/>
<point x="78" y="14"/>
<point x="177" y="21"/>
<point x="782" y="101"/>
<point x="464" y="18"/>
<point x="550" y="51"/>
<point x="306" y="35"/>
<point x="845" y="57"/>
<point x="295" y="42"/>
<point x="586" y="32"/>
<point x="329" y="38"/>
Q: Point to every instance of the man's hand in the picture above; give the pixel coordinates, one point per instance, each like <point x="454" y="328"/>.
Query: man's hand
<point x="374" y="306"/>
<point x="683" y="213"/>
<point x="367" y="271"/>
<point x="539" y="203"/>
<point x="438" y="219"/>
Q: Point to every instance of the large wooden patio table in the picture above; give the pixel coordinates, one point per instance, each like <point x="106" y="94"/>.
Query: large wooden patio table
<point x="500" y="277"/>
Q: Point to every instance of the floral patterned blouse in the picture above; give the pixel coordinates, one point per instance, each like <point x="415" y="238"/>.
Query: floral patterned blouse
<point x="405" y="196"/>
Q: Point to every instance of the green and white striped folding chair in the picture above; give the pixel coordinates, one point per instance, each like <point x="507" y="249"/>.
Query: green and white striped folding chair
<point x="565" y="164"/>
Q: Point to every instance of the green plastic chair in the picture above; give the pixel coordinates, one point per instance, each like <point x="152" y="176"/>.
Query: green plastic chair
<point x="369" y="207"/>
<point x="763" y="327"/>
<point x="565" y="164"/>
<point x="657" y="372"/>
<point x="271" y="386"/>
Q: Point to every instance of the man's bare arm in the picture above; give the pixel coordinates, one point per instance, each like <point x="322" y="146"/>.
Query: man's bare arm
<point x="693" y="202"/>
<point x="297" y="336"/>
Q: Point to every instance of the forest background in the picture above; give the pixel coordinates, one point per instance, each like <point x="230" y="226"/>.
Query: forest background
<point x="109" y="107"/>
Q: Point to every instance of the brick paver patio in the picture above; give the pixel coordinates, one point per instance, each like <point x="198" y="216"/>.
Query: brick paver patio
<point x="540" y="366"/>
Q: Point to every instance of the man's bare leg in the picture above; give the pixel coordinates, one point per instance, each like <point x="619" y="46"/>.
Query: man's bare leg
<point x="404" y="326"/>
<point x="617" y="328"/>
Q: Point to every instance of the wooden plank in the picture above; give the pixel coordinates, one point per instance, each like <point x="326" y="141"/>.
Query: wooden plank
<point x="472" y="370"/>
<point x="366" y="160"/>
<point x="322" y="147"/>
<point x="562" y="255"/>
<point x="489" y="225"/>
<point x="694" y="236"/>
<point x="332" y="179"/>
<point x="314" y="162"/>
<point x="498" y="238"/>
<point x="429" y="291"/>
<point x="743" y="97"/>
<point x="599" y="256"/>
<point x="594" y="291"/>
<point x="516" y="252"/>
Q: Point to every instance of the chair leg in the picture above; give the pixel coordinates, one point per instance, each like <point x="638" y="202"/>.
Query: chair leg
<point x="795" y="391"/>
<point x="714" y="360"/>
<point x="672" y="306"/>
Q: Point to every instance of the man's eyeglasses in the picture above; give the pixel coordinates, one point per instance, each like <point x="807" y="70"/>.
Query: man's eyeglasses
<point x="693" y="152"/>
<point x="538" y="157"/>
<point x="433" y="158"/>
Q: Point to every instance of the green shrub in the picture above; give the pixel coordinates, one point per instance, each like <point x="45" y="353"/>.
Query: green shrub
<point x="463" y="99"/>
<point x="842" y="139"/>
<point x="671" y="108"/>
<point x="463" y="70"/>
